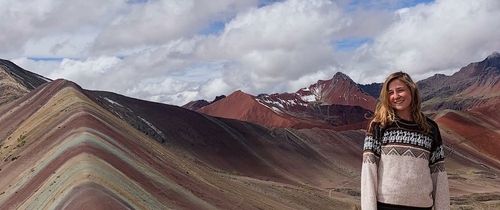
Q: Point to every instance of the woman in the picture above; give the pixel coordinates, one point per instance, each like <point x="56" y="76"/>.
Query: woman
<point x="403" y="156"/>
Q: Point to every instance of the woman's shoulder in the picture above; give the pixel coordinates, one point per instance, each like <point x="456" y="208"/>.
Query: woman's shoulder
<point x="431" y="123"/>
<point x="434" y="131"/>
<point x="375" y="129"/>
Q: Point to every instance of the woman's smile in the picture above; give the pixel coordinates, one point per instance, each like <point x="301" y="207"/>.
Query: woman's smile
<point x="400" y="98"/>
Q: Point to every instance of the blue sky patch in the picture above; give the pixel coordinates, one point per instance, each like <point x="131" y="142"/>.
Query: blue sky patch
<point x="384" y="5"/>
<point x="137" y="1"/>
<point x="46" y="58"/>
<point x="263" y="3"/>
<point x="411" y="3"/>
<point x="350" y="44"/>
<point x="214" y="28"/>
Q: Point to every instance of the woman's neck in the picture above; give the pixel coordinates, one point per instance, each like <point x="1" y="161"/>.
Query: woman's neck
<point x="405" y="116"/>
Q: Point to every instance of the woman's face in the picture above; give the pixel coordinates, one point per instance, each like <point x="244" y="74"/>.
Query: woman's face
<point x="400" y="97"/>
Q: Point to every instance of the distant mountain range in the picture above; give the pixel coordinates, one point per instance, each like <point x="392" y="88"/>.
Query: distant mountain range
<point x="475" y="85"/>
<point x="63" y="147"/>
<point x="340" y="103"/>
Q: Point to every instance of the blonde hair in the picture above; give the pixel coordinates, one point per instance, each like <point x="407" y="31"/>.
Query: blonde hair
<point x="384" y="113"/>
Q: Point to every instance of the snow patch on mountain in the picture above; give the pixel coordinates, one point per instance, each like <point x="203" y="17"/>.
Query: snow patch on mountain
<point x="308" y="98"/>
<point x="112" y="102"/>
<point x="158" y="131"/>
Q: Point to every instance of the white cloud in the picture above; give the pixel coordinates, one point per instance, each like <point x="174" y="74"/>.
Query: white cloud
<point x="271" y="45"/>
<point x="42" y="67"/>
<point x="213" y="88"/>
<point x="115" y="74"/>
<point x="365" y="23"/>
<point x="434" y="37"/>
<point x="26" y="24"/>
<point x="165" y="89"/>
<point x="309" y="79"/>
<point x="86" y="71"/>
<point x="159" y="50"/>
<point x="157" y="22"/>
<point x="59" y="45"/>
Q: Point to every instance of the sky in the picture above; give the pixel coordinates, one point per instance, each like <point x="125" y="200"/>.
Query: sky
<point x="176" y="51"/>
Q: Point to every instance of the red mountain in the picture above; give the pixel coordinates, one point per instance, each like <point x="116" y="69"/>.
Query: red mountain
<point x="331" y="103"/>
<point x="242" y="106"/>
<point x="477" y="128"/>
<point x="340" y="90"/>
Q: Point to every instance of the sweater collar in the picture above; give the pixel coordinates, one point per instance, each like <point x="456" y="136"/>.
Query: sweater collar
<point x="407" y="122"/>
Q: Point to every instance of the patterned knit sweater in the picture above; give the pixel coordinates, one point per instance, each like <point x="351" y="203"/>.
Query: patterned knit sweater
<point x="404" y="166"/>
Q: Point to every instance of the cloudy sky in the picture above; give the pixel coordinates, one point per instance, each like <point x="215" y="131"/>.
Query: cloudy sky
<point x="175" y="51"/>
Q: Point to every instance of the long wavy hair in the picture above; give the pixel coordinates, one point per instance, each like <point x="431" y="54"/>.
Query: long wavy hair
<point x="384" y="113"/>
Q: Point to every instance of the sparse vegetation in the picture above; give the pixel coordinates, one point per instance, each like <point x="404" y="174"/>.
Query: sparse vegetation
<point x="15" y="158"/>
<point x="21" y="140"/>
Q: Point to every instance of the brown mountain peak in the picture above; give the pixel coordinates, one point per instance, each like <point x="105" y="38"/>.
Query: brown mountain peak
<point x="341" y="76"/>
<point x="240" y="93"/>
<point x="227" y="108"/>
<point x="341" y="90"/>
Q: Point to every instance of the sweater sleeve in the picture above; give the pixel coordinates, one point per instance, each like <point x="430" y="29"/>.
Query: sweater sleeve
<point x="369" y="171"/>
<point x="439" y="177"/>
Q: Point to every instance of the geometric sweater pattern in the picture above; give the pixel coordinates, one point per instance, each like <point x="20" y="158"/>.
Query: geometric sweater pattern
<point x="404" y="166"/>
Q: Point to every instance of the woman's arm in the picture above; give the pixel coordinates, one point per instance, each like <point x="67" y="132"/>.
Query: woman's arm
<point x="369" y="170"/>
<point x="439" y="177"/>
